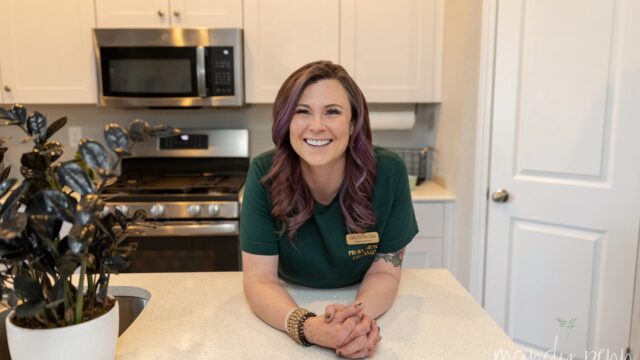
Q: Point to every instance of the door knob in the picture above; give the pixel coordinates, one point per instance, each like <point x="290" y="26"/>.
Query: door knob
<point x="176" y="13"/>
<point x="7" y="88"/>
<point x="160" y="13"/>
<point x="500" y="196"/>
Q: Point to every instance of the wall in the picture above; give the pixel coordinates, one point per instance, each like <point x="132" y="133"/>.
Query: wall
<point x="257" y="118"/>
<point x="455" y="133"/>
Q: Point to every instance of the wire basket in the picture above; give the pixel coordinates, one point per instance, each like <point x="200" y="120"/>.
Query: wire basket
<point x="417" y="160"/>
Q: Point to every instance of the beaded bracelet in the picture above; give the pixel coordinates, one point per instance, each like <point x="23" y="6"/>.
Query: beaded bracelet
<point x="303" y="339"/>
<point x="295" y="325"/>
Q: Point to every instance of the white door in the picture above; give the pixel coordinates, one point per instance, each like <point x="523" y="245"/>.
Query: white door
<point x="561" y="252"/>
<point x="282" y="35"/>
<point x="46" y="51"/>
<point x="393" y="48"/>
<point x="133" y="14"/>
<point x="206" y="13"/>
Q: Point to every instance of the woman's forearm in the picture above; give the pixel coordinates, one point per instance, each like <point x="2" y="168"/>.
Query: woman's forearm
<point x="377" y="292"/>
<point x="269" y="301"/>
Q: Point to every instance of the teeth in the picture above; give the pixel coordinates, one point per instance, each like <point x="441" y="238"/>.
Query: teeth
<point x="314" y="142"/>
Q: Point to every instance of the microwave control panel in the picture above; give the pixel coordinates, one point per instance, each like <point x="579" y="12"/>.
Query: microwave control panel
<point x="220" y="81"/>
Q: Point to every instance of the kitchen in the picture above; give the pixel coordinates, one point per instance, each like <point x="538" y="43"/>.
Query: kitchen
<point x="443" y="112"/>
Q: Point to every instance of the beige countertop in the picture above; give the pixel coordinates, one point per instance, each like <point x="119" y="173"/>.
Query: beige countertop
<point x="205" y="316"/>
<point x="431" y="192"/>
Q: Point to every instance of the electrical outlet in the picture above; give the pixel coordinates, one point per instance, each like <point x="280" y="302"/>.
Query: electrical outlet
<point x="75" y="134"/>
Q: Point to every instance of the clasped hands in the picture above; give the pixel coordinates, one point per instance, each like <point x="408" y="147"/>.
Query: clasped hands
<point x="347" y="329"/>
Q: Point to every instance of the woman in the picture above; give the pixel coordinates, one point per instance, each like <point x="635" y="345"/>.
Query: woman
<point x="325" y="209"/>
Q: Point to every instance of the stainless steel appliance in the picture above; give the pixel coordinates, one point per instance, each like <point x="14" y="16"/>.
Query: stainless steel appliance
<point x="190" y="186"/>
<point x="176" y="67"/>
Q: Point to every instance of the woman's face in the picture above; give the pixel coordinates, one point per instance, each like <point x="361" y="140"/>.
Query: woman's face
<point x="319" y="130"/>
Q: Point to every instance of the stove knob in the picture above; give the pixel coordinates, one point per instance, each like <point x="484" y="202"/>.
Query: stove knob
<point x="194" y="210"/>
<point x="124" y="209"/>
<point x="214" y="209"/>
<point x="157" y="210"/>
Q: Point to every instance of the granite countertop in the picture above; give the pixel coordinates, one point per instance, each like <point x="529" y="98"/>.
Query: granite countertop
<point x="431" y="192"/>
<point x="205" y="316"/>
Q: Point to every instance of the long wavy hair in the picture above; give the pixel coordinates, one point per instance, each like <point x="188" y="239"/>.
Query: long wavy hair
<point x="290" y="196"/>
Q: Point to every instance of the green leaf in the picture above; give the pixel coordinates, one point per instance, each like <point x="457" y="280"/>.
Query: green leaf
<point x="53" y="150"/>
<point x="17" y="113"/>
<point x="72" y="175"/>
<point x="11" y="201"/>
<point x="94" y="154"/>
<point x="58" y="288"/>
<point x="55" y="126"/>
<point x="66" y="266"/>
<point x="138" y="130"/>
<point x="12" y="299"/>
<point x="116" y="263"/>
<point x="14" y="226"/>
<point x="28" y="288"/>
<point x="5" y="185"/>
<point x="29" y="309"/>
<point x="37" y="125"/>
<point x="116" y="137"/>
<point x="34" y="161"/>
<point x="5" y="173"/>
<point x="54" y="304"/>
<point x="4" y="114"/>
<point x="138" y="215"/>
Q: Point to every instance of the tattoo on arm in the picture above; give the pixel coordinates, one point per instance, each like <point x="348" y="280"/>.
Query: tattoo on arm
<point x="394" y="258"/>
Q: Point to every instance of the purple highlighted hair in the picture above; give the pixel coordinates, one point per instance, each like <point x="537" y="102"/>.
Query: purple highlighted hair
<point x="290" y="196"/>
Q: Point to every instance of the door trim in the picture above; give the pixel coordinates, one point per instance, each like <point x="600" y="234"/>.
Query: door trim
<point x="483" y="149"/>
<point x="634" y="341"/>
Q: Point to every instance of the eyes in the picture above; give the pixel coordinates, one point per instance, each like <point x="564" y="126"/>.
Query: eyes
<point x="331" y="111"/>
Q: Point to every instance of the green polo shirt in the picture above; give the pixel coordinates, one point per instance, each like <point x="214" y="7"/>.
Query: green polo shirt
<point x="319" y="255"/>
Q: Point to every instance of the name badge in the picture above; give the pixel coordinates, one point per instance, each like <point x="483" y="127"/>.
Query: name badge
<point x="363" y="238"/>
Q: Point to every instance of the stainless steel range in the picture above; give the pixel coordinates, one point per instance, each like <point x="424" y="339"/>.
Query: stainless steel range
<point x="189" y="185"/>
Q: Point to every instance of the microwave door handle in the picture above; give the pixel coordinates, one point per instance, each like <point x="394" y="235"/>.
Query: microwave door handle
<point x="201" y="72"/>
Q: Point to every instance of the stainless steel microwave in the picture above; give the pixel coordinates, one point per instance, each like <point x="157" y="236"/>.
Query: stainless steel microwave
<point x="169" y="67"/>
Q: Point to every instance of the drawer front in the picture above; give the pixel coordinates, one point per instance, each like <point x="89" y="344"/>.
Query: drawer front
<point x="422" y="253"/>
<point x="430" y="217"/>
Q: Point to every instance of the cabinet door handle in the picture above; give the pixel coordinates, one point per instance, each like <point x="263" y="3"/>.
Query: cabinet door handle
<point x="176" y="13"/>
<point x="7" y="88"/>
<point x="160" y="13"/>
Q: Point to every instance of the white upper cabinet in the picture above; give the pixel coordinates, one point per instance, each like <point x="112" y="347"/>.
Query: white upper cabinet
<point x="135" y="14"/>
<point x="207" y="13"/>
<point x="393" y="48"/>
<point x="166" y="13"/>
<point x="282" y="35"/>
<point x="46" y="52"/>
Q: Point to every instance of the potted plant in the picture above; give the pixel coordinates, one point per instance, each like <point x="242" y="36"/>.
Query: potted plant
<point x="55" y="309"/>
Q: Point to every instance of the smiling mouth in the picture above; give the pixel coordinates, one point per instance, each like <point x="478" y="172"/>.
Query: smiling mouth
<point x="317" y="143"/>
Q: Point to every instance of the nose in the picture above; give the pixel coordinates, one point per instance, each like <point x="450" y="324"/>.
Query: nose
<point x="316" y="123"/>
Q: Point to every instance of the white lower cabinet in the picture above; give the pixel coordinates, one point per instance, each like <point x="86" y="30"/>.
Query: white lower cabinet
<point x="430" y="248"/>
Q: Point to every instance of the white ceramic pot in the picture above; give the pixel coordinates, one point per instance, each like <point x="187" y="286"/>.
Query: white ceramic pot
<point x="95" y="339"/>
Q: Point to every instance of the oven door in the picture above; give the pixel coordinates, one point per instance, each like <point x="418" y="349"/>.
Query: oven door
<point x="186" y="246"/>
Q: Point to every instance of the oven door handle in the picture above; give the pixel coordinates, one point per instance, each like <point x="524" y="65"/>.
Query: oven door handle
<point x="200" y="228"/>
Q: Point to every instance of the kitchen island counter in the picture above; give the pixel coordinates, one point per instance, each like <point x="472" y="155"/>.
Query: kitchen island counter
<point x="205" y="316"/>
